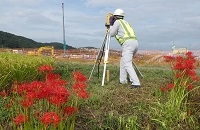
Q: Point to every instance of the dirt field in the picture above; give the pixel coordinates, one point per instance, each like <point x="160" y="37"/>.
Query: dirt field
<point x="90" y="55"/>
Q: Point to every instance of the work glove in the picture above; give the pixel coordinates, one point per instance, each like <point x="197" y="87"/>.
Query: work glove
<point x="112" y="20"/>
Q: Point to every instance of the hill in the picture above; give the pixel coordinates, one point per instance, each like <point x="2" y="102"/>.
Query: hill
<point x="8" y="40"/>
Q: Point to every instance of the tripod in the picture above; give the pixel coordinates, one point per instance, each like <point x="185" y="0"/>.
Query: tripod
<point x="137" y="70"/>
<point x="104" y="50"/>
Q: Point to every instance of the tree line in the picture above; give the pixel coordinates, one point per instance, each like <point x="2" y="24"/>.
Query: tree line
<point x="8" y="40"/>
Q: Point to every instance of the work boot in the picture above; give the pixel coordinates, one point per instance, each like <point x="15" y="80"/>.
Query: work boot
<point x="135" y="86"/>
<point x="121" y="84"/>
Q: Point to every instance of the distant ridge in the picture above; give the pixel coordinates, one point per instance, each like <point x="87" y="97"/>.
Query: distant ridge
<point x="8" y="40"/>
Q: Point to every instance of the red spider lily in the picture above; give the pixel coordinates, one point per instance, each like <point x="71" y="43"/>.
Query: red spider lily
<point x="46" y="68"/>
<point x="59" y="95"/>
<point x="163" y="89"/>
<point x="3" y="93"/>
<point x="51" y="76"/>
<point x="31" y="95"/>
<point x="189" y="64"/>
<point x="178" y="75"/>
<point x="27" y="103"/>
<point x="69" y="110"/>
<point x="179" y="66"/>
<point x="170" y="86"/>
<point x="168" y="58"/>
<point x="186" y="62"/>
<point x="58" y="100"/>
<point x="21" y="88"/>
<point x="50" y="118"/>
<point x="20" y="119"/>
<point x="190" y="87"/>
<point x="189" y="55"/>
<point x="29" y="87"/>
<point x="179" y="59"/>
<point x="30" y="90"/>
<point x="79" y="77"/>
<point x="79" y="86"/>
<point x="190" y="72"/>
<point x="183" y="67"/>
<point x="195" y="78"/>
<point x="83" y="94"/>
<point x="57" y="82"/>
<point x="44" y="92"/>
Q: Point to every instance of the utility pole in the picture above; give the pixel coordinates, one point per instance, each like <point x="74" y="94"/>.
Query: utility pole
<point x="64" y="42"/>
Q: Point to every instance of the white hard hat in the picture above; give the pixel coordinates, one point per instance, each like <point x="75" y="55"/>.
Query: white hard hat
<point x="119" y="12"/>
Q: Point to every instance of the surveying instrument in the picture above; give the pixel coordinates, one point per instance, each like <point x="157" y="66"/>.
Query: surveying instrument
<point x="104" y="51"/>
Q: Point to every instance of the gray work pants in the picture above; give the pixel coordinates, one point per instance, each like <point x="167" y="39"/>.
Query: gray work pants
<point x="129" y="49"/>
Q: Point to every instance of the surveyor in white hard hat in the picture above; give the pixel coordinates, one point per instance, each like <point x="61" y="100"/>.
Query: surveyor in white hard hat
<point x="125" y="35"/>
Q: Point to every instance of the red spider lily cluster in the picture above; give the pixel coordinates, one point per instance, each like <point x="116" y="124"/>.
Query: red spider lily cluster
<point x="69" y="110"/>
<point x="20" y="119"/>
<point x="50" y="118"/>
<point x="80" y="85"/>
<point x="46" y="68"/>
<point x="183" y="67"/>
<point x="52" y="91"/>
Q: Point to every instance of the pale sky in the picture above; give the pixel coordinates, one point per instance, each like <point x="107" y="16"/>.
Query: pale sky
<point x="157" y="23"/>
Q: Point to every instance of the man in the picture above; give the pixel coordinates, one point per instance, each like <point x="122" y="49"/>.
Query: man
<point x="125" y="35"/>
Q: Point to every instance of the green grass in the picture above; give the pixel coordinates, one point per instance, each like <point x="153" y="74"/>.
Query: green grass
<point x="114" y="106"/>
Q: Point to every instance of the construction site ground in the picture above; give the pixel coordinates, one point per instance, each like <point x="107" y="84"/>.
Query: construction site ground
<point x="90" y="55"/>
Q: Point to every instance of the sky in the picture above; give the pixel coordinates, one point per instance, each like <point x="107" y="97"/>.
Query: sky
<point x="157" y="23"/>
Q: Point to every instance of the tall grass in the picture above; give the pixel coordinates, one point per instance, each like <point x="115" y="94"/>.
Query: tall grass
<point x="20" y="68"/>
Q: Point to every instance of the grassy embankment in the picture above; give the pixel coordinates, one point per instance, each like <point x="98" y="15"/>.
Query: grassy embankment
<point x="114" y="106"/>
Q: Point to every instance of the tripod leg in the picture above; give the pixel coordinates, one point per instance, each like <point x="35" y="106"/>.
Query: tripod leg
<point x="106" y="57"/>
<point x="104" y="74"/>
<point x="98" y="71"/>
<point x="92" y="71"/>
<point x="137" y="70"/>
<point x="104" y="70"/>
<point x="99" y="56"/>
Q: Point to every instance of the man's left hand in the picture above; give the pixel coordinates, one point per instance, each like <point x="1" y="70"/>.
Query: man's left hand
<point x="112" y="20"/>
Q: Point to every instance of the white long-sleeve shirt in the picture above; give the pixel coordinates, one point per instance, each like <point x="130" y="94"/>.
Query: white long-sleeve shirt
<point x="116" y="29"/>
